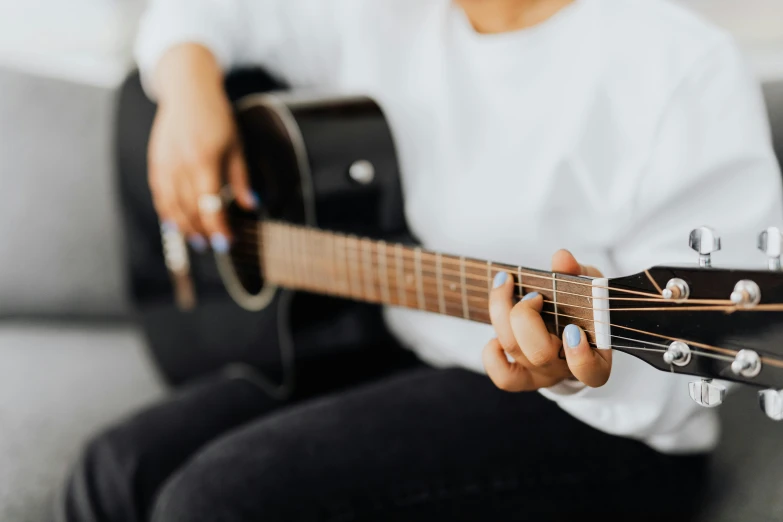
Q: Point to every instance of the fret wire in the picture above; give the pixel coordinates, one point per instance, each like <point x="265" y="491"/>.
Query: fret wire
<point x="384" y="275"/>
<point x="292" y="255"/>
<point x="428" y="280"/>
<point x="469" y="286"/>
<point x="355" y="267"/>
<point x="489" y="277"/>
<point x="476" y="263"/>
<point x="334" y="256"/>
<point x="300" y="258"/>
<point x="401" y="293"/>
<point x="519" y="282"/>
<point x="305" y="252"/>
<point x="343" y="250"/>
<point x="419" y="285"/>
<point x="524" y="271"/>
<point x="482" y="300"/>
<point x="439" y="270"/>
<point x="554" y="299"/>
<point x="368" y="275"/>
<point x="465" y="310"/>
<point x="309" y="240"/>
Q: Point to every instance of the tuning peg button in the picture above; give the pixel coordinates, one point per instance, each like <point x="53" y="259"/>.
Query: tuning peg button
<point x="771" y="243"/>
<point x="747" y="363"/>
<point x="771" y="402"/>
<point x="678" y="354"/>
<point x="705" y="241"/>
<point x="706" y="393"/>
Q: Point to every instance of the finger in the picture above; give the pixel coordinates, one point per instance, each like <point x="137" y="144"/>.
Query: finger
<point x="238" y="179"/>
<point x="501" y="301"/>
<point x="590" y="366"/>
<point x="206" y="180"/>
<point x="539" y="347"/>
<point x="506" y="375"/>
<point x="188" y="202"/>
<point x="564" y="262"/>
<point x="165" y="200"/>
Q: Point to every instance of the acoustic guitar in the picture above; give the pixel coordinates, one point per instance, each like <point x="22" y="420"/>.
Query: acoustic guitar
<point x="332" y="223"/>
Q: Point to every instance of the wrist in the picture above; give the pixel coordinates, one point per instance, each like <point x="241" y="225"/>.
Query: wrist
<point x="186" y="71"/>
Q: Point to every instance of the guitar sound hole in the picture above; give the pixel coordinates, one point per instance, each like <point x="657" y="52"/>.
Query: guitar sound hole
<point x="245" y="250"/>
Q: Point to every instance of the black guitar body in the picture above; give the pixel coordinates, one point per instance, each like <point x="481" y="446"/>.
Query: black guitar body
<point x="331" y="164"/>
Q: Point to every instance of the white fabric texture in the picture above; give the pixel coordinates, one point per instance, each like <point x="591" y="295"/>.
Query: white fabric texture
<point x="612" y="129"/>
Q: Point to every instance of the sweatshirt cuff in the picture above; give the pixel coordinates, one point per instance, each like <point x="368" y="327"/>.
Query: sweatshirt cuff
<point x="158" y="34"/>
<point x="569" y="388"/>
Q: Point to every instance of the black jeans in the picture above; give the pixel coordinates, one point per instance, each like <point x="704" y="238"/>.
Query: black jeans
<point x="414" y="443"/>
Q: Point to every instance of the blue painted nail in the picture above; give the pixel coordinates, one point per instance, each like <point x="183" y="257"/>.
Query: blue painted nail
<point x="169" y="226"/>
<point x="573" y="335"/>
<point x="500" y="279"/>
<point x="219" y="243"/>
<point x="531" y="295"/>
<point x="198" y="243"/>
<point x="256" y="199"/>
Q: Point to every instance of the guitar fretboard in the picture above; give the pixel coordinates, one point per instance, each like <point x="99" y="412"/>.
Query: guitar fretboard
<point x="323" y="262"/>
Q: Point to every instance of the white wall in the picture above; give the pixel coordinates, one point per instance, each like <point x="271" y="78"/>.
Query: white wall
<point x="758" y="27"/>
<point x="88" y="41"/>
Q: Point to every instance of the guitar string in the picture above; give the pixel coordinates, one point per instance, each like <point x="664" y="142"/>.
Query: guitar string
<point x="655" y="350"/>
<point x="652" y="334"/>
<point x="428" y="271"/>
<point x="483" y="313"/>
<point x="777" y="362"/>
<point x="252" y="263"/>
<point x="427" y="280"/>
<point x="719" y="303"/>
<point x="714" y="304"/>
<point x="527" y="274"/>
<point x="729" y="305"/>
<point x="472" y="263"/>
<point x="731" y="308"/>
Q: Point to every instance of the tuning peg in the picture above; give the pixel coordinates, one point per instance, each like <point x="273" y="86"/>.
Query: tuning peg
<point x="771" y="402"/>
<point x="705" y="241"/>
<point x="678" y="354"/>
<point x="706" y="393"/>
<point x="747" y="363"/>
<point x="771" y="243"/>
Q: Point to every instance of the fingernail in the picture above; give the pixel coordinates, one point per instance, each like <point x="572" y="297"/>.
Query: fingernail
<point x="255" y="199"/>
<point x="500" y="279"/>
<point x="198" y="243"/>
<point x="573" y="335"/>
<point x="219" y="243"/>
<point x="531" y="295"/>
<point x="169" y="226"/>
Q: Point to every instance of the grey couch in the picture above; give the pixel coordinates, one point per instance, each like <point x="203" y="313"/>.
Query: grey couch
<point x="70" y="359"/>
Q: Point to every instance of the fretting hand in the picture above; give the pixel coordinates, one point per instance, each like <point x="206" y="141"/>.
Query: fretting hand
<point x="540" y="359"/>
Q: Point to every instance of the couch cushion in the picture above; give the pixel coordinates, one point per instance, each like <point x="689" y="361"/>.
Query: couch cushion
<point x="58" y="386"/>
<point x="60" y="248"/>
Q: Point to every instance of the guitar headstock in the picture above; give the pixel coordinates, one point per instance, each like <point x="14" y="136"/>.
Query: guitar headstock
<point x="712" y="323"/>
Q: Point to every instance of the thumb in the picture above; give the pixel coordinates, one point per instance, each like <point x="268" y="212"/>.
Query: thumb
<point x="564" y="262"/>
<point x="237" y="175"/>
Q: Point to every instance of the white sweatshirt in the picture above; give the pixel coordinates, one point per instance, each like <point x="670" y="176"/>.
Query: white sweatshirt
<point x="612" y="129"/>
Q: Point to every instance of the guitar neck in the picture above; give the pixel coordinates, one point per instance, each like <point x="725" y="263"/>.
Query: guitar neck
<point x="330" y="263"/>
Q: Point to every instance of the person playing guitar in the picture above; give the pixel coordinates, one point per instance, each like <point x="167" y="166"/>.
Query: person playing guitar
<point x="611" y="127"/>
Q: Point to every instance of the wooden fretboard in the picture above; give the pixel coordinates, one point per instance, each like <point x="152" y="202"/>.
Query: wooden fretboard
<point x="323" y="262"/>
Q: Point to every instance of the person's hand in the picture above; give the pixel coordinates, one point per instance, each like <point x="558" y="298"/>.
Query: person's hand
<point x="536" y="354"/>
<point x="194" y="148"/>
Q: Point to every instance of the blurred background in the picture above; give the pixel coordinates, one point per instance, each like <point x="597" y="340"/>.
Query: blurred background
<point x="71" y="360"/>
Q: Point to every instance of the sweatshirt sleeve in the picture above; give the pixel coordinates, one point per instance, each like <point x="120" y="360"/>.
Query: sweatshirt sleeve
<point x="295" y="40"/>
<point x="711" y="163"/>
